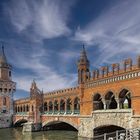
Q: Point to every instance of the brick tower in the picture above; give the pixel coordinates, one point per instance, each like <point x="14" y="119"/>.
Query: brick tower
<point x="7" y="88"/>
<point x="83" y="67"/>
<point x="36" y="99"/>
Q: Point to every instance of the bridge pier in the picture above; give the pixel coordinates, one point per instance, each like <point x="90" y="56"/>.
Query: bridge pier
<point x="31" y="127"/>
<point x="85" y="129"/>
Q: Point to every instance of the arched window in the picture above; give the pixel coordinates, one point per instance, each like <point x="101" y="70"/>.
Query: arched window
<point x="18" y="109"/>
<point x="50" y="107"/>
<point x="24" y="109"/>
<point x="110" y="101"/>
<point x="62" y="106"/>
<point x="69" y="106"/>
<point x="97" y="102"/>
<point x="125" y="99"/>
<point x="32" y="108"/>
<point x="45" y="106"/>
<point x="55" y="106"/>
<point x="21" y="109"/>
<point x="82" y="75"/>
<point x="4" y="101"/>
<point x="27" y="108"/>
<point x="76" y="105"/>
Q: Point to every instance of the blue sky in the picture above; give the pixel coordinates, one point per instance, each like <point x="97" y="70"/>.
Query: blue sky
<point x="43" y="38"/>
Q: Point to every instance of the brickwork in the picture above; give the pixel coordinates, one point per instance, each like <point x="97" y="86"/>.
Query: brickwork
<point x="103" y="98"/>
<point x="7" y="88"/>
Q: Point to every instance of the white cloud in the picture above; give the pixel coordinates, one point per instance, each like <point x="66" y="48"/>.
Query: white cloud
<point x="115" y="31"/>
<point x="46" y="77"/>
<point x="40" y="19"/>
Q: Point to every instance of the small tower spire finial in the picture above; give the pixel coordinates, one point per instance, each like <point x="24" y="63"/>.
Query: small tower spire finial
<point x="83" y="66"/>
<point x="2" y="48"/>
<point x="2" y="54"/>
<point x="83" y="46"/>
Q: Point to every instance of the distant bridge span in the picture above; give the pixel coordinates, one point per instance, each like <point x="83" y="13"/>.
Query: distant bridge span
<point x="110" y="96"/>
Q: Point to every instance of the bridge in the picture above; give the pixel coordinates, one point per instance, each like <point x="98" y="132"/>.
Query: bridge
<point x="103" y="102"/>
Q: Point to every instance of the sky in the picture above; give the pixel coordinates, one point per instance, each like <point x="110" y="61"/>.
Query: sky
<point x="43" y="38"/>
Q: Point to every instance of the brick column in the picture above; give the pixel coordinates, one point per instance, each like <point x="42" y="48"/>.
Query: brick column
<point x="65" y="106"/>
<point x="118" y="103"/>
<point x="104" y="102"/>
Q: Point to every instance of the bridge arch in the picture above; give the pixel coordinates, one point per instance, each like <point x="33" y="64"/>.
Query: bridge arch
<point x="108" y="129"/>
<point x="52" y="121"/>
<point x="111" y="121"/>
<point x="20" y="122"/>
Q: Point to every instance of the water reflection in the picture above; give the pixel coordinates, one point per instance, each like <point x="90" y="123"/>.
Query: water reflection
<point x="16" y="134"/>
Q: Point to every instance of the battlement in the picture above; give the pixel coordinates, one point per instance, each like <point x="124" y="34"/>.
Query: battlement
<point x="115" y="69"/>
<point x="21" y="101"/>
<point x="61" y="91"/>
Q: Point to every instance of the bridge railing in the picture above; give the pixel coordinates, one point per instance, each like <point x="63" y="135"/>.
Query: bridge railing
<point x="76" y="111"/>
<point x="21" y="113"/>
<point x="130" y="134"/>
<point x="62" y="112"/>
<point x="69" y="112"/>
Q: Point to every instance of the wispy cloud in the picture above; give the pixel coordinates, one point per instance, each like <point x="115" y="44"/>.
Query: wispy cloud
<point x="40" y="19"/>
<point x="115" y="31"/>
<point x="46" y="76"/>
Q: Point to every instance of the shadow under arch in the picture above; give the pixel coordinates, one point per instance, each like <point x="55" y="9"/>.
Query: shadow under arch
<point x="110" y="100"/>
<point x="59" y="125"/>
<point x="100" y="130"/>
<point x="125" y="98"/>
<point x="20" y="123"/>
<point x="97" y="102"/>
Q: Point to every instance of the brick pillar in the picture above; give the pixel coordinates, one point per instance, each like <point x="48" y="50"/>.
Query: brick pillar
<point x="65" y="106"/>
<point x="53" y="106"/>
<point x="104" y="102"/>
<point x="118" y="103"/>
<point x="72" y="107"/>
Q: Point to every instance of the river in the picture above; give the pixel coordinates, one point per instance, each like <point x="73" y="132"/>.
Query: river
<point x="16" y="134"/>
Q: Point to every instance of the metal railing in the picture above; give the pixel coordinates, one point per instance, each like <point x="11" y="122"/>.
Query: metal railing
<point x="62" y="112"/>
<point x="130" y="134"/>
<point x="21" y="113"/>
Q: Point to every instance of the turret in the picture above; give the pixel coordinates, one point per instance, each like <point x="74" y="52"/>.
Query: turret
<point x="7" y="88"/>
<point x="36" y="103"/>
<point x="34" y="91"/>
<point x="83" y="67"/>
<point x="5" y="68"/>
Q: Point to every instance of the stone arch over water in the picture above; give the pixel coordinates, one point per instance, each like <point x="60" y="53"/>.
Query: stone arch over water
<point x="52" y="121"/>
<point x="20" y="122"/>
<point x="108" y="129"/>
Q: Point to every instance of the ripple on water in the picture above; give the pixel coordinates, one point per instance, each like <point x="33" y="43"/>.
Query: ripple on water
<point x="16" y="134"/>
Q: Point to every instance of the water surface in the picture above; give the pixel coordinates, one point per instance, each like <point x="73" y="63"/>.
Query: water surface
<point x="16" y="134"/>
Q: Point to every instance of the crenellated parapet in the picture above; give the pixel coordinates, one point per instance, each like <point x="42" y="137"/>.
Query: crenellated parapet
<point x="62" y="91"/>
<point x="115" y="69"/>
<point x="117" y="72"/>
<point x="22" y="101"/>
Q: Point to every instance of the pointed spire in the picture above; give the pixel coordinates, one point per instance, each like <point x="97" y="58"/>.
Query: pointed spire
<point x="3" y="59"/>
<point x="33" y="86"/>
<point x="83" y="55"/>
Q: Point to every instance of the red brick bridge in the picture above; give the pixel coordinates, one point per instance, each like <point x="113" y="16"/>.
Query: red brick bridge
<point x="102" y="100"/>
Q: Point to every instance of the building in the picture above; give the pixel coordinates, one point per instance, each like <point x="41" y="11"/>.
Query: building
<point x="104" y="99"/>
<point x="7" y="88"/>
